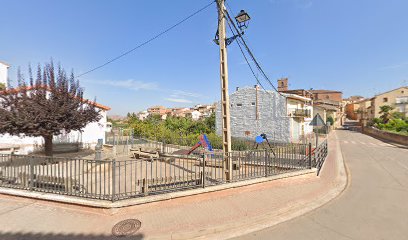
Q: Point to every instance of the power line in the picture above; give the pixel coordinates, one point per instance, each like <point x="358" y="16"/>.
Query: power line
<point x="246" y="60"/>
<point x="148" y="41"/>
<point x="250" y="53"/>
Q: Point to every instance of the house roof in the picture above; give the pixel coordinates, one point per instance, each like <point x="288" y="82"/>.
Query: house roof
<point x="405" y="87"/>
<point x="297" y="97"/>
<point x="4" y="63"/>
<point x="28" y="88"/>
<point x="326" y="106"/>
<point x="324" y="91"/>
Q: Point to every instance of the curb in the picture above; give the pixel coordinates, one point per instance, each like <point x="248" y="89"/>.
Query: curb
<point x="268" y="220"/>
<point x="147" y="199"/>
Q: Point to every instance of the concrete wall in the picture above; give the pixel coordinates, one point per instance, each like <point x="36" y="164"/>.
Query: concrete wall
<point x="393" y="137"/>
<point x="273" y="119"/>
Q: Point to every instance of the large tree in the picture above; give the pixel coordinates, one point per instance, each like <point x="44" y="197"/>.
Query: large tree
<point x="48" y="105"/>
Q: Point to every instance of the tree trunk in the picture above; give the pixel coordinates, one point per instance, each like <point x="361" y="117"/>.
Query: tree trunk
<point x="48" y="145"/>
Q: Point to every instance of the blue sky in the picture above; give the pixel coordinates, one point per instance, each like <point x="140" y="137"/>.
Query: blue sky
<point x="358" y="47"/>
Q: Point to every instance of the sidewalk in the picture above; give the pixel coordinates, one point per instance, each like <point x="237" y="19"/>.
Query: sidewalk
<point x="215" y="215"/>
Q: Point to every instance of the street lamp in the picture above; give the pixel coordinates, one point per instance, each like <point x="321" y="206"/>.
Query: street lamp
<point x="242" y="20"/>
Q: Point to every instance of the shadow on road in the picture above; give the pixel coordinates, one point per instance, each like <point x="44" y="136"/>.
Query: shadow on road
<point x="50" y="236"/>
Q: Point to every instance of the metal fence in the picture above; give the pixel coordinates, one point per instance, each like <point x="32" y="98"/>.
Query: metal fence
<point x="121" y="179"/>
<point x="319" y="155"/>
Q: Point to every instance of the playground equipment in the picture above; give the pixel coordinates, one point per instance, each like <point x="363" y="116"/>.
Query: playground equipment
<point x="204" y="142"/>
<point x="139" y="153"/>
<point x="261" y="139"/>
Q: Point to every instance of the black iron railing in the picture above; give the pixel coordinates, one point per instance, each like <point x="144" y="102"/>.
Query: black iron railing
<point x="121" y="179"/>
<point x="320" y="155"/>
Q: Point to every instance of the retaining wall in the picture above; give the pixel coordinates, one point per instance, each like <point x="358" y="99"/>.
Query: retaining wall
<point x="389" y="136"/>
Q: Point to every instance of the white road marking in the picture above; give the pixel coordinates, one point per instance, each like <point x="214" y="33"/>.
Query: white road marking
<point x="345" y="141"/>
<point x="353" y="142"/>
<point x="363" y="143"/>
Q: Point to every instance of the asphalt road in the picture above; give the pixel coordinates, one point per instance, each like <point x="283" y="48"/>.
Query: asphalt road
<point x="374" y="205"/>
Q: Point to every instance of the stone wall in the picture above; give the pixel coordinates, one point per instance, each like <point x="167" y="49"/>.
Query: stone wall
<point x="273" y="119"/>
<point x="393" y="137"/>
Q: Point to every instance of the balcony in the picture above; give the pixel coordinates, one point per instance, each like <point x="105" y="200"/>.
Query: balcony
<point x="300" y="113"/>
<point x="401" y="100"/>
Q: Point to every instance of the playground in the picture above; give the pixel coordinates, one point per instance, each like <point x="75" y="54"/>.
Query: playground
<point x="137" y="167"/>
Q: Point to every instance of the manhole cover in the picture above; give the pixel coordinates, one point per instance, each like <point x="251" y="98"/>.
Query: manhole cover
<point x="126" y="227"/>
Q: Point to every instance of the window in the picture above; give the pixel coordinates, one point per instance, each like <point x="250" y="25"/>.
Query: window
<point x="385" y="99"/>
<point x="402" y="91"/>
<point x="239" y="104"/>
<point x="253" y="104"/>
<point x="327" y="96"/>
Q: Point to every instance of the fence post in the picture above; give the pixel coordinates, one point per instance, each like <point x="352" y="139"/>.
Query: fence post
<point x="113" y="179"/>
<point x="31" y="172"/>
<point x="203" y="172"/>
<point x="266" y="162"/>
<point x="310" y="155"/>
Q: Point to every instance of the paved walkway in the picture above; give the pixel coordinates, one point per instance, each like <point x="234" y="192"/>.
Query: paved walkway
<point x="374" y="206"/>
<point x="216" y="215"/>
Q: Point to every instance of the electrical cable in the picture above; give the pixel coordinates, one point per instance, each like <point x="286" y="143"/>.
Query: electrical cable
<point x="148" y="41"/>
<point x="250" y="53"/>
<point x="246" y="59"/>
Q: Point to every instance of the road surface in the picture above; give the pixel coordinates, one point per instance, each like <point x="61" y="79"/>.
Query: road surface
<point x="374" y="206"/>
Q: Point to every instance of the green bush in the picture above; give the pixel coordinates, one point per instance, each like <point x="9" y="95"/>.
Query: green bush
<point x="182" y="131"/>
<point x="394" y="125"/>
<point x="330" y="120"/>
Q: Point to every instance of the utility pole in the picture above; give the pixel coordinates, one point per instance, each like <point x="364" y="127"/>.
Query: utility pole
<point x="225" y="105"/>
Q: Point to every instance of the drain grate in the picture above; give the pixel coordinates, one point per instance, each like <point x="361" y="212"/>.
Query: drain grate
<point x="126" y="227"/>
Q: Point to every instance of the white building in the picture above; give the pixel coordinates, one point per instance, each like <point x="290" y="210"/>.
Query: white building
<point x="195" y="115"/>
<point x="4" y="73"/>
<point x="143" y="115"/>
<point x="89" y="135"/>
<point x="300" y="111"/>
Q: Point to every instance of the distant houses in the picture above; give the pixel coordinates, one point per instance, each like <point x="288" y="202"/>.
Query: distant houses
<point x="365" y="110"/>
<point x="328" y="103"/>
<point x="196" y="113"/>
